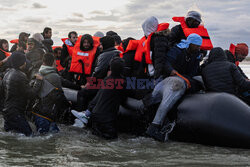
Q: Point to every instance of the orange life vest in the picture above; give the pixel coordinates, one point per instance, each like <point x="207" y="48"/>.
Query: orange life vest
<point x="87" y="57"/>
<point x="142" y="46"/>
<point x="120" y="48"/>
<point x="232" y="50"/>
<point x="201" y="30"/>
<point x="7" y="54"/>
<point x="14" y="41"/>
<point x="59" y="66"/>
<point x="70" y="48"/>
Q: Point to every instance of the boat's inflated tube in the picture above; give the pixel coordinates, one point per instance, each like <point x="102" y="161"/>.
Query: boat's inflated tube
<point x="217" y="119"/>
<point x="70" y="94"/>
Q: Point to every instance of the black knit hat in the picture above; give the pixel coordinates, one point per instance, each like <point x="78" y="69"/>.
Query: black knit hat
<point x="118" y="39"/>
<point x="17" y="59"/>
<point x="107" y="42"/>
<point x="111" y="33"/>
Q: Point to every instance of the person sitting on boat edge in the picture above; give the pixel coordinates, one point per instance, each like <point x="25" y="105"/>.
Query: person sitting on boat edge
<point x="182" y="63"/>
<point x="220" y="75"/>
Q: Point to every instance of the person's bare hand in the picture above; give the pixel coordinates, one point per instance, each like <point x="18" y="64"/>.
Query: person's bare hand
<point x="173" y="72"/>
<point x="39" y="77"/>
<point x="85" y="86"/>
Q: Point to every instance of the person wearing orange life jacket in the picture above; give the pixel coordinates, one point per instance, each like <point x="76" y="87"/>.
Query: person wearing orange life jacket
<point x="4" y="47"/>
<point x="57" y="54"/>
<point x="156" y="45"/>
<point x="236" y="54"/>
<point x="101" y="69"/>
<point x="23" y="36"/>
<point x="153" y="46"/>
<point x="188" y="25"/>
<point x="84" y="56"/>
<point x="67" y="50"/>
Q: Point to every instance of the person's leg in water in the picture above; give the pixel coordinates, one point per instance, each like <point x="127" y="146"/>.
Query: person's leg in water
<point x="44" y="126"/>
<point x="171" y="90"/>
<point x="17" y="123"/>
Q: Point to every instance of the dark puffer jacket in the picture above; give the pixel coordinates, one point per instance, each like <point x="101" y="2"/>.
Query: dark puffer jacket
<point x="17" y="91"/>
<point x="220" y="75"/>
<point x="103" y="61"/>
<point x="160" y="46"/>
<point x="176" y="35"/>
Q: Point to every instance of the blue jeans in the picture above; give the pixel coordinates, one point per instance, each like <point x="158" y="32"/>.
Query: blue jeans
<point x="44" y="126"/>
<point x="168" y="92"/>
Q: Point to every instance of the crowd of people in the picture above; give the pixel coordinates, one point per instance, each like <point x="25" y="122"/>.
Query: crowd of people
<point x="105" y="70"/>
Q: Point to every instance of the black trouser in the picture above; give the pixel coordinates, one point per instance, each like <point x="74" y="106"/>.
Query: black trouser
<point x="84" y="96"/>
<point x="105" y="130"/>
<point x="17" y="123"/>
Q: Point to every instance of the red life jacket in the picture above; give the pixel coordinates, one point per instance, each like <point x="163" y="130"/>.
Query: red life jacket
<point x="120" y="48"/>
<point x="59" y="66"/>
<point x="232" y="50"/>
<point x="87" y="57"/>
<point x="7" y="54"/>
<point x="70" y="48"/>
<point x="142" y="46"/>
<point x="14" y="41"/>
<point x="201" y="30"/>
<point x="161" y="27"/>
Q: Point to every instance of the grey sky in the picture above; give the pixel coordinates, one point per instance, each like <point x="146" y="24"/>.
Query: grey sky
<point x="226" y="20"/>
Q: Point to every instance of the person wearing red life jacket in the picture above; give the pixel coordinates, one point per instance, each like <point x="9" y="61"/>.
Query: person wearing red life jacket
<point x="67" y="50"/>
<point x="157" y="45"/>
<point x="86" y="94"/>
<point x="188" y="25"/>
<point x="23" y="36"/>
<point x="84" y="56"/>
<point x="4" y="48"/>
<point x="236" y="54"/>
<point x="57" y="53"/>
<point x="152" y="48"/>
<point x="193" y="20"/>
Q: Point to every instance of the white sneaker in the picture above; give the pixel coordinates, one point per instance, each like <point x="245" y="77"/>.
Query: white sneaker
<point x="81" y="116"/>
<point x="78" y="123"/>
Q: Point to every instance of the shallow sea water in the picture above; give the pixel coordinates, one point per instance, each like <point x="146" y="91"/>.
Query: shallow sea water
<point x="78" y="147"/>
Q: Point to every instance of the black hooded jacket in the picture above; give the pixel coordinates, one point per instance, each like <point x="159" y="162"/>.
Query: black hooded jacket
<point x="17" y="91"/>
<point x="36" y="54"/>
<point x="220" y="75"/>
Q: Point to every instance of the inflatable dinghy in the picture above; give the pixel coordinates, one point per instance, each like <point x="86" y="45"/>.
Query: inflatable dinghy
<point x="218" y="119"/>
